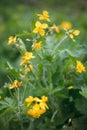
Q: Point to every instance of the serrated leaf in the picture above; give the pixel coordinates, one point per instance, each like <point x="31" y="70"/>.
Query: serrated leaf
<point x="7" y="103"/>
<point x="57" y="89"/>
<point x="76" y="53"/>
<point x="83" y="92"/>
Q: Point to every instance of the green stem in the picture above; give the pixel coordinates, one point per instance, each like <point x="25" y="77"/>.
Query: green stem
<point x="36" y="78"/>
<point x="19" y="111"/>
<point x="49" y="76"/>
<point x="56" y="47"/>
<point x="44" y="79"/>
<point x="23" y="95"/>
<point x="31" y="124"/>
<point x="24" y="34"/>
<point x="18" y="101"/>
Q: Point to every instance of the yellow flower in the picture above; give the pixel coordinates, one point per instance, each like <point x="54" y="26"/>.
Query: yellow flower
<point x="80" y="67"/>
<point x="40" y="28"/>
<point x="36" y="111"/>
<point x="28" y="69"/>
<point x="16" y="84"/>
<point x="11" y="40"/>
<point x="73" y="33"/>
<point x="11" y="86"/>
<point x="66" y="25"/>
<point x="70" y="87"/>
<point x="55" y="28"/>
<point x="76" y="32"/>
<point x="71" y="36"/>
<point x="27" y="56"/>
<point x="44" y="16"/>
<point x="37" y="46"/>
<point x="37" y="106"/>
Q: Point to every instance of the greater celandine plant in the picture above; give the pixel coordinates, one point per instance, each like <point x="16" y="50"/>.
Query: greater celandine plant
<point x="39" y="94"/>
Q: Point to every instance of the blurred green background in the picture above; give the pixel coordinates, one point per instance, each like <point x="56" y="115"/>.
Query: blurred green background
<point x="16" y="16"/>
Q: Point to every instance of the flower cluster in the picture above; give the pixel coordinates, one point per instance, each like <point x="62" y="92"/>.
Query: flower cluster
<point x="15" y="84"/>
<point x="26" y="63"/>
<point x="26" y="58"/>
<point x="36" y="106"/>
<point x="40" y="27"/>
<point x="74" y="33"/>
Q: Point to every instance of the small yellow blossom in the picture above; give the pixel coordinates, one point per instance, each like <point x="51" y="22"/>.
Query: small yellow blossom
<point x="66" y="25"/>
<point x="55" y="28"/>
<point x="40" y="28"/>
<point x="70" y="87"/>
<point x="76" y="32"/>
<point x="80" y="67"/>
<point x="11" y="40"/>
<point x="37" y="46"/>
<point x="37" y="106"/>
<point x="44" y="16"/>
<point x="36" y="111"/>
<point x="27" y="56"/>
<point x="71" y="36"/>
<point x="73" y="33"/>
<point x="15" y="84"/>
<point x="28" y="68"/>
<point x="44" y="98"/>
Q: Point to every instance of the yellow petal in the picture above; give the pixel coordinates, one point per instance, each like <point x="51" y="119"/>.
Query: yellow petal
<point x="42" y="32"/>
<point x="35" y="30"/>
<point x="37" y="24"/>
<point x="45" y="13"/>
<point x="44" y="25"/>
<point x="71" y="36"/>
<point x="76" y="32"/>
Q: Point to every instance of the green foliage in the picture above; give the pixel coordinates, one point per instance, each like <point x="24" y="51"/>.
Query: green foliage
<point x="54" y="72"/>
<point x="83" y="92"/>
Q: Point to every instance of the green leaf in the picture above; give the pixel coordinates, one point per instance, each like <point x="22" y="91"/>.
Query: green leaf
<point x="81" y="105"/>
<point x="7" y="103"/>
<point x="57" y="89"/>
<point x="11" y="70"/>
<point x="75" y="53"/>
<point x="83" y="92"/>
